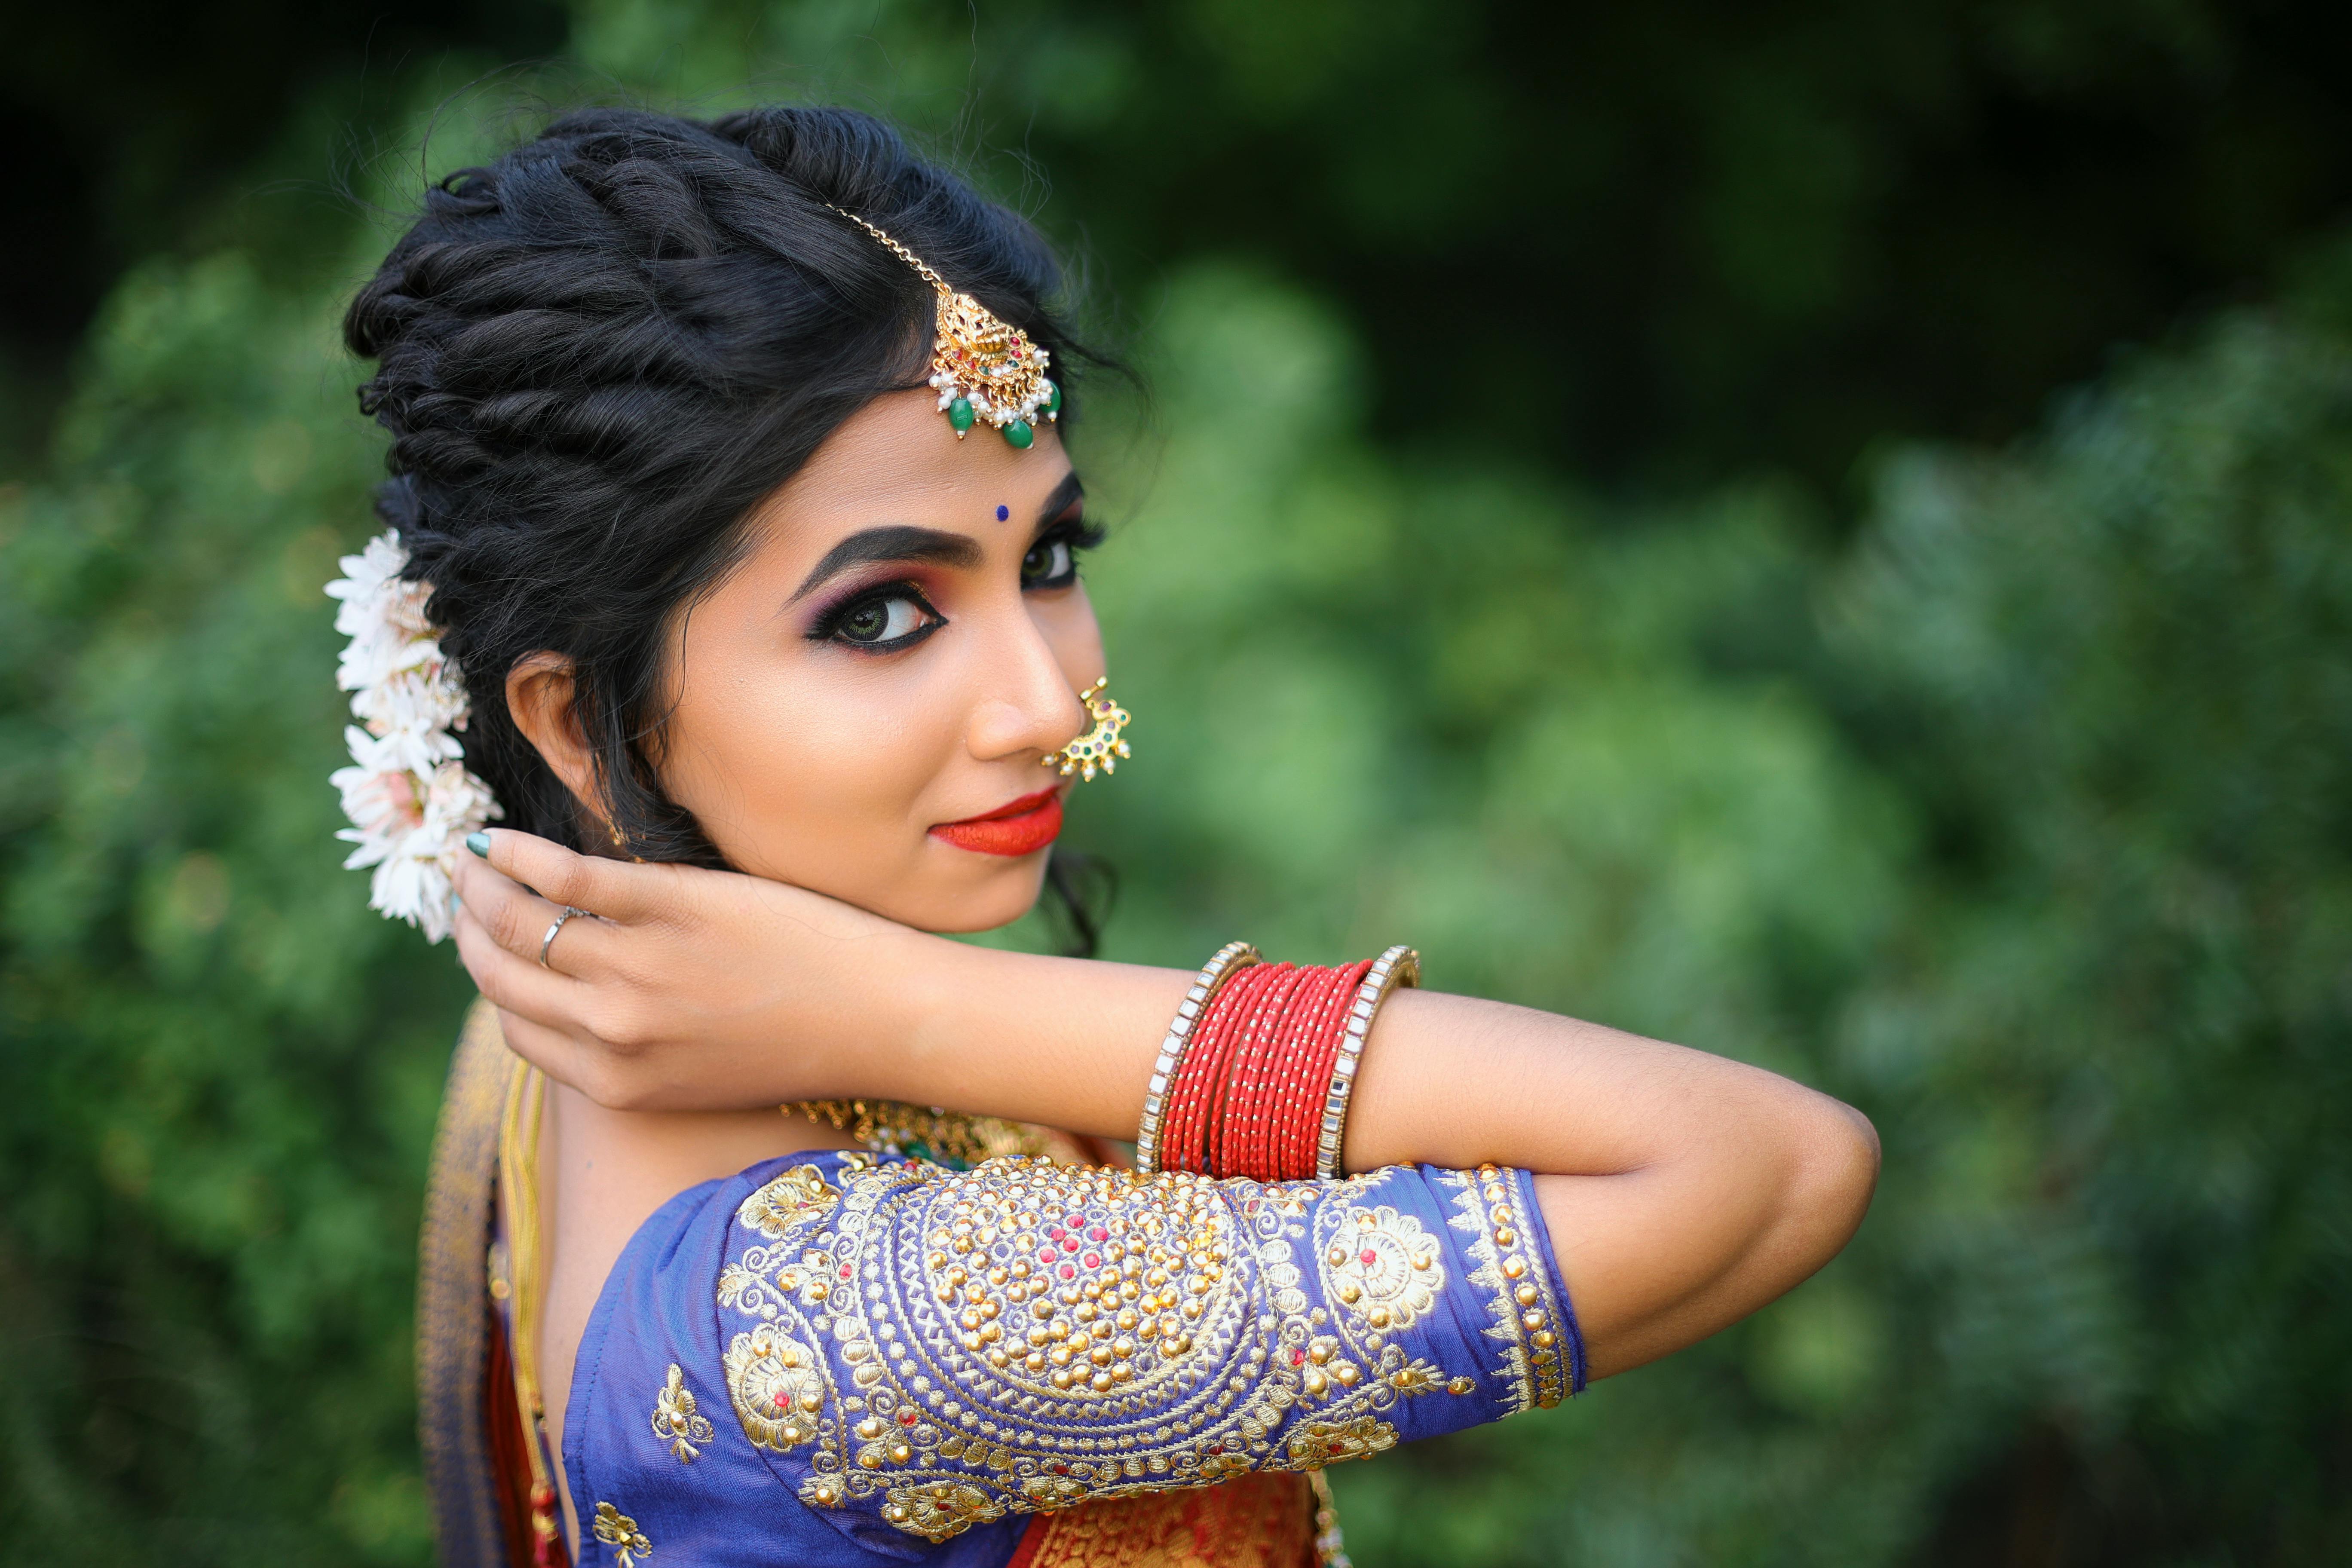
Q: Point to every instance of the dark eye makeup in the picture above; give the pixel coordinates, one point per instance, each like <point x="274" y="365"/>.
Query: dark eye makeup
<point x="1052" y="561"/>
<point x="883" y="618"/>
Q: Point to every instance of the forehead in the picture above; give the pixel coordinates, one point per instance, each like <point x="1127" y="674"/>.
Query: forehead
<point x="898" y="460"/>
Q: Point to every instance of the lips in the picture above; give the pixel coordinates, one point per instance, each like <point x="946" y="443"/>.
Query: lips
<point x="1017" y="827"/>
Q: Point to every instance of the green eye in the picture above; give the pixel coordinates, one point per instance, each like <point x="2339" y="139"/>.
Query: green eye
<point x="1048" y="561"/>
<point x="888" y="620"/>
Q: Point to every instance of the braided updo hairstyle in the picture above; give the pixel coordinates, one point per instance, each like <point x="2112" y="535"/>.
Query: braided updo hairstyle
<point x="597" y="354"/>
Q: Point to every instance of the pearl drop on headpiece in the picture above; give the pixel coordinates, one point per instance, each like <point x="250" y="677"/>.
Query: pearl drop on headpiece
<point x="986" y="370"/>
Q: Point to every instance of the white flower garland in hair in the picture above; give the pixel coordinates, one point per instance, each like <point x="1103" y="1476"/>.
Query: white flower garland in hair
<point x="407" y="792"/>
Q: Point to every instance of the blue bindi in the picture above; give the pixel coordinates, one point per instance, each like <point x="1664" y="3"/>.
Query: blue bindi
<point x="1003" y="512"/>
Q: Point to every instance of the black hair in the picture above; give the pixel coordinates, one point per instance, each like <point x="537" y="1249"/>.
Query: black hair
<point x="598" y="353"/>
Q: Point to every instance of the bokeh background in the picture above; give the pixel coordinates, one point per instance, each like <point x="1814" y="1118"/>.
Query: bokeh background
<point x="1817" y="529"/>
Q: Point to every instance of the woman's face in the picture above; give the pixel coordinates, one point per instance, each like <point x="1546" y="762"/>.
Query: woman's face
<point x="861" y="707"/>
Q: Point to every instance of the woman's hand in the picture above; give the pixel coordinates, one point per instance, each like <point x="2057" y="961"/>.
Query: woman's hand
<point x="684" y="980"/>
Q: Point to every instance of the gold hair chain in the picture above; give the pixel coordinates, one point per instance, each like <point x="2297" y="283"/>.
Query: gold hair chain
<point x="984" y="368"/>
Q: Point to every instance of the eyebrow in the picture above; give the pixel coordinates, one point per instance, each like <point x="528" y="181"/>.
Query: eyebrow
<point x="899" y="541"/>
<point x="1068" y="490"/>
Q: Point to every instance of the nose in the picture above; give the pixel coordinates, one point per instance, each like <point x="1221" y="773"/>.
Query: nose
<point x="1029" y="703"/>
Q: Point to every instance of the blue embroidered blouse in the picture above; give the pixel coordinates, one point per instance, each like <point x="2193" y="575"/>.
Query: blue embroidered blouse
<point x="842" y="1359"/>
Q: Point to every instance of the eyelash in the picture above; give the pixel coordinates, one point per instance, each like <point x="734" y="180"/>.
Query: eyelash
<point x="1079" y="535"/>
<point x="829" y="625"/>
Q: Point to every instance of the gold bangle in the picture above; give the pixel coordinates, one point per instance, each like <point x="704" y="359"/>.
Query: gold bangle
<point x="1400" y="965"/>
<point x="1230" y="961"/>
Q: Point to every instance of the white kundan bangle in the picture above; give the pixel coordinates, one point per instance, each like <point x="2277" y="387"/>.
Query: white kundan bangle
<point x="1230" y="961"/>
<point x="1400" y="965"/>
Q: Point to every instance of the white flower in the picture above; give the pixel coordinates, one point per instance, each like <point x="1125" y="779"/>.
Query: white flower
<point x="412" y="713"/>
<point x="410" y="799"/>
<point x="380" y="799"/>
<point x="365" y="575"/>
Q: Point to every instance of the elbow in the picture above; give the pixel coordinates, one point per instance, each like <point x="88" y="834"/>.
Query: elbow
<point x="1832" y="1176"/>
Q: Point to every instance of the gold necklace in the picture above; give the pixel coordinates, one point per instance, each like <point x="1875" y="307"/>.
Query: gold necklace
<point x="931" y="1133"/>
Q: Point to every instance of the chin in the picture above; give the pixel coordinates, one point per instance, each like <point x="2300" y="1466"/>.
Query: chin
<point x="1003" y="894"/>
<point x="969" y="893"/>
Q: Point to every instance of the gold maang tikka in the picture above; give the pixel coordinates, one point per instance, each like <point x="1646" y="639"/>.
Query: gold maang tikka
<point x="983" y="368"/>
<point x="1100" y="747"/>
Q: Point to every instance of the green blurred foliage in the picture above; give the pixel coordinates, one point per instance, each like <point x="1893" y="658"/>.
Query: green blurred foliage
<point x="2019" y="819"/>
<point x="1636" y="242"/>
<point x="219" y="1075"/>
<point x="1649" y="244"/>
<point x="2022" y="824"/>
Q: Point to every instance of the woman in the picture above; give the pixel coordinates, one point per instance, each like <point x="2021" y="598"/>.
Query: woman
<point x="729" y="456"/>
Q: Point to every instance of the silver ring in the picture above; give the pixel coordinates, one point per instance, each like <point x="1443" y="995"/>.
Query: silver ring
<point x="549" y="940"/>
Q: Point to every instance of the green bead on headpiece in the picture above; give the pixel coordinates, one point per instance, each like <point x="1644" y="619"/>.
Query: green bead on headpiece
<point x="984" y="370"/>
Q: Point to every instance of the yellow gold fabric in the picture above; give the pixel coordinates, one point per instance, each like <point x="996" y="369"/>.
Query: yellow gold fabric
<point x="1265" y="1521"/>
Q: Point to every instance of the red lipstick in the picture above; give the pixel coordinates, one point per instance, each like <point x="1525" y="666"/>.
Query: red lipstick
<point x="1020" y="827"/>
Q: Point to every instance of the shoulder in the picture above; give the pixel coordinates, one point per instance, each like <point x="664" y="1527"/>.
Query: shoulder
<point x="662" y="1456"/>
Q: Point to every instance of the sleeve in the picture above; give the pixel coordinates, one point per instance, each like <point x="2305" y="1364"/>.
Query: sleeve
<point x="929" y="1350"/>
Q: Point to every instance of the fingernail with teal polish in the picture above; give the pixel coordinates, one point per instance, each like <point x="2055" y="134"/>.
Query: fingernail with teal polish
<point x="479" y="843"/>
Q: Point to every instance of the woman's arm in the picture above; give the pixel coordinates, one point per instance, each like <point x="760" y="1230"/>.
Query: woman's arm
<point x="1681" y="1190"/>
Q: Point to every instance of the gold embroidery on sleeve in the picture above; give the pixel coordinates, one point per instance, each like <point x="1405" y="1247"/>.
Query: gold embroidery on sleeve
<point x="799" y="1196"/>
<point x="939" y="1508"/>
<point x="778" y="1386"/>
<point x="677" y="1422"/>
<point x="619" y="1531"/>
<point x="1315" y="1444"/>
<point x="1527" y="1318"/>
<point x="1385" y="1266"/>
<point x="1024" y="1336"/>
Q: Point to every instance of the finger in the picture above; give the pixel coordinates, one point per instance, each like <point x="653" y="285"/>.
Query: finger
<point x="515" y="917"/>
<point x="519" y="920"/>
<point x="552" y="1051"/>
<point x="599" y="1017"/>
<point x="517" y="984"/>
<point x="619" y="890"/>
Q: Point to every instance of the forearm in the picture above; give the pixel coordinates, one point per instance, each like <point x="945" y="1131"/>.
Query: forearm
<point x="1446" y="1081"/>
<point x="1681" y="1190"/>
<point x="774" y="995"/>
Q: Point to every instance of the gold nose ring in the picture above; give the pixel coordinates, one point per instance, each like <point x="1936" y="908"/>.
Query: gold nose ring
<point x="1100" y="747"/>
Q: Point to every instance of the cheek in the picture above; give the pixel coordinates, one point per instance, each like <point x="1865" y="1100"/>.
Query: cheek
<point x="1068" y="623"/>
<point x="804" y="766"/>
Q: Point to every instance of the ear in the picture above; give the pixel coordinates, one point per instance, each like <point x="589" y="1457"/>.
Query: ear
<point x="539" y="696"/>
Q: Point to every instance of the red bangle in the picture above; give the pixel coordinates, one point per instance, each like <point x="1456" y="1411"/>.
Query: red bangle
<point x="1227" y="1146"/>
<point x="1256" y="1081"/>
<point x="1253" y="1078"/>
<point x="1201" y="1078"/>
<point x="1301" y="1031"/>
<point x="1305" y="1092"/>
<point x="1219" y="1147"/>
